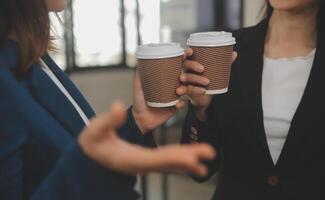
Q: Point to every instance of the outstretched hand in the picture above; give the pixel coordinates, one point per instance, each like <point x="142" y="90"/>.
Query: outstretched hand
<point x="100" y="142"/>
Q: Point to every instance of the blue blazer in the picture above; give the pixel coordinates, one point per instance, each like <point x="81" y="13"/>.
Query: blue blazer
<point x="39" y="155"/>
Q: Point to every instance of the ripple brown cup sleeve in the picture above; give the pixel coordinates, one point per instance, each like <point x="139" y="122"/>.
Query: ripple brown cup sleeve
<point x="217" y="62"/>
<point x="160" y="78"/>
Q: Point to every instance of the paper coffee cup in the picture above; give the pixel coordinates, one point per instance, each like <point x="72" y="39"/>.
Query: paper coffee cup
<point x="214" y="51"/>
<point x="160" y="67"/>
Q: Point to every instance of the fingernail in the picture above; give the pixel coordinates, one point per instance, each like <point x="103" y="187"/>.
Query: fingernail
<point x="206" y="81"/>
<point x="183" y="78"/>
<point x="201" y="68"/>
<point x="179" y="91"/>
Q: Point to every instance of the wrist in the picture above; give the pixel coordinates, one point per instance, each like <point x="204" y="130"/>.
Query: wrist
<point x="140" y="122"/>
<point x="201" y="113"/>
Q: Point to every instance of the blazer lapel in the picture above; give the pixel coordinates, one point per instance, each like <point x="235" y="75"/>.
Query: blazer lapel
<point x="46" y="92"/>
<point x="251" y="75"/>
<point x="52" y="99"/>
<point x="309" y="116"/>
<point x="70" y="87"/>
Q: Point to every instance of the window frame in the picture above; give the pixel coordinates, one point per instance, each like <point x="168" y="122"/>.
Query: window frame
<point x="220" y="15"/>
<point x="71" y="65"/>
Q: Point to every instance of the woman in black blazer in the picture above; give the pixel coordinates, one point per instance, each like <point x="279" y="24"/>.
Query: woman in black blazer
<point x="266" y="151"/>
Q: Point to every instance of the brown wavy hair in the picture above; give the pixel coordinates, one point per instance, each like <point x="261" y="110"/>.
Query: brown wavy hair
<point x="29" y="24"/>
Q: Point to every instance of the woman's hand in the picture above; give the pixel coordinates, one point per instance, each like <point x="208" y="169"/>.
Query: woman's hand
<point x="100" y="142"/>
<point x="194" y="84"/>
<point x="148" y="118"/>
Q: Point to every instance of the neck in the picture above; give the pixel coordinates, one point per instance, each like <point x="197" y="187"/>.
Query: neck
<point x="293" y="32"/>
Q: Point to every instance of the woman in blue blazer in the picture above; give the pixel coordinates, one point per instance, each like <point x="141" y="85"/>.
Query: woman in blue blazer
<point x="42" y="113"/>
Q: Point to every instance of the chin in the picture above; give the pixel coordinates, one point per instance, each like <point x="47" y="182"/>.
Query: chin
<point x="292" y="5"/>
<point x="56" y="5"/>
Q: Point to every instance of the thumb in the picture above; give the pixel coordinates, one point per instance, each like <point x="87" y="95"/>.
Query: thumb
<point x="118" y="114"/>
<point x="171" y="111"/>
<point x="107" y="122"/>
<point x="188" y="53"/>
<point x="137" y="80"/>
<point x="234" y="56"/>
<point x="138" y="95"/>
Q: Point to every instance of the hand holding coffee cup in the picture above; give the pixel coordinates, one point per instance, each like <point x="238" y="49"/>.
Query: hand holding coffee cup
<point x="214" y="51"/>
<point x="197" y="76"/>
<point x="160" y="66"/>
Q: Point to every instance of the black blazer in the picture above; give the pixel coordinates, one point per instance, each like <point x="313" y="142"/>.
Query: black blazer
<point x="235" y="128"/>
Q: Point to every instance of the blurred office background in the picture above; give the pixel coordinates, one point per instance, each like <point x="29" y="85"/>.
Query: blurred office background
<point x="97" y="42"/>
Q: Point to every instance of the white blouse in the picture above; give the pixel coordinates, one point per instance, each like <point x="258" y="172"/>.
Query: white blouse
<point x="57" y="82"/>
<point x="283" y="84"/>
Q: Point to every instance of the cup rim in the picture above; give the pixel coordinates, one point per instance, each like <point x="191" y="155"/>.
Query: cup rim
<point x="211" y="39"/>
<point x="159" y="51"/>
<point x="162" y="105"/>
<point x="192" y="44"/>
<point x="151" y="57"/>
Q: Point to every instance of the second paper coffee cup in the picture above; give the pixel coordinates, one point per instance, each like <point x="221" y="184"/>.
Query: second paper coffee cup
<point x="214" y="51"/>
<point x="160" y="67"/>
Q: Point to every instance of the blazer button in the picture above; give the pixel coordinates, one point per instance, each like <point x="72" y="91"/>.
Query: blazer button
<point x="273" y="181"/>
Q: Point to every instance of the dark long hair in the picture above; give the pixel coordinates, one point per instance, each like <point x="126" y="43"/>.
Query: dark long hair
<point x="320" y="15"/>
<point x="30" y="23"/>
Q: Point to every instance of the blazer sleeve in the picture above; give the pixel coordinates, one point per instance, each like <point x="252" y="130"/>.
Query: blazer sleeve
<point x="131" y="133"/>
<point x="196" y="131"/>
<point x="77" y="177"/>
<point x="12" y="136"/>
<point x="74" y="175"/>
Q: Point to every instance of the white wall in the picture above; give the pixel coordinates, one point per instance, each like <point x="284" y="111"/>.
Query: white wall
<point x="102" y="88"/>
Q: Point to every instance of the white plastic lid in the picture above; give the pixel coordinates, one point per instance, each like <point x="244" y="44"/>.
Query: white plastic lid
<point x="211" y="39"/>
<point x="159" y="50"/>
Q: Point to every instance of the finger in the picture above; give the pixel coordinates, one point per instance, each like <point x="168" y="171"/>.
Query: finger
<point x="201" y="152"/>
<point x="137" y="81"/>
<point x="176" y="159"/>
<point x="234" y="56"/>
<point x="193" y="66"/>
<point x="108" y="120"/>
<point x="190" y="163"/>
<point x="181" y="104"/>
<point x="118" y="114"/>
<point x="204" y="152"/>
<point x="188" y="53"/>
<point x="194" y="79"/>
<point x="192" y="90"/>
<point x="181" y="90"/>
<point x="198" y="169"/>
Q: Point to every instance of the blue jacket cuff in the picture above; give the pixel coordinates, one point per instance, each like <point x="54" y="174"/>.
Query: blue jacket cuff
<point x="131" y="132"/>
